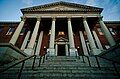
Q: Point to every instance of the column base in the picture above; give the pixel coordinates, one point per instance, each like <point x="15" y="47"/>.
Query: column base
<point x="29" y="51"/>
<point x="67" y="54"/>
<point x="95" y="51"/>
<point x="51" y="52"/>
<point x="73" y="52"/>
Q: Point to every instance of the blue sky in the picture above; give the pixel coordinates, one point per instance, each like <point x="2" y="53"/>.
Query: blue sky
<point x="10" y="9"/>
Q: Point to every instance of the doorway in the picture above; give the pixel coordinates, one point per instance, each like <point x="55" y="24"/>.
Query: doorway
<point x="61" y="50"/>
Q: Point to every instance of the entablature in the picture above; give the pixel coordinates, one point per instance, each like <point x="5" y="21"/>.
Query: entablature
<point x="61" y="15"/>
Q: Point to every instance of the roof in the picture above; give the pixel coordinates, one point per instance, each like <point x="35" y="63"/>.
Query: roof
<point x="112" y="22"/>
<point x="71" y="6"/>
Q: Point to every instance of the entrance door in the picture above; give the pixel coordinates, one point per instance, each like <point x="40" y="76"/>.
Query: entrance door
<point x="61" y="50"/>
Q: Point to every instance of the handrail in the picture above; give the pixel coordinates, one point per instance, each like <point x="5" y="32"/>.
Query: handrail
<point x="42" y="59"/>
<point x="113" y="62"/>
<point x="109" y="50"/>
<point x="98" y="63"/>
<point x="23" y="60"/>
<point x="112" y="50"/>
<point x="87" y="59"/>
<point x="13" y="47"/>
<point x="108" y="59"/>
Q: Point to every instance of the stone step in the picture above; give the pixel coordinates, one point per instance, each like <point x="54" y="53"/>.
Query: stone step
<point x="62" y="69"/>
<point x="62" y="57"/>
<point x="62" y="75"/>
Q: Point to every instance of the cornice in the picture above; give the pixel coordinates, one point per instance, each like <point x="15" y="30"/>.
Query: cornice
<point x="85" y="7"/>
<point x="112" y="22"/>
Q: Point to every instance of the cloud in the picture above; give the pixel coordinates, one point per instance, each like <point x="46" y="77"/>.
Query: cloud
<point x="111" y="8"/>
<point x="91" y="2"/>
<point x="28" y="2"/>
<point x="115" y="10"/>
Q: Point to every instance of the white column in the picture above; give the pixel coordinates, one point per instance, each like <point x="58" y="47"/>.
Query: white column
<point x="66" y="49"/>
<point x="31" y="44"/>
<point x="17" y="32"/>
<point x="52" y="39"/>
<point x="107" y="33"/>
<point x="39" y="43"/>
<point x="56" y="49"/>
<point x="70" y="34"/>
<point x="25" y="41"/>
<point x="94" y="49"/>
<point x="72" y="49"/>
<point x="34" y="34"/>
<point x="83" y="43"/>
<point x="97" y="41"/>
<point x="88" y="46"/>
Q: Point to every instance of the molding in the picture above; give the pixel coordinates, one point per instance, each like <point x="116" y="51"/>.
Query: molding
<point x="46" y="7"/>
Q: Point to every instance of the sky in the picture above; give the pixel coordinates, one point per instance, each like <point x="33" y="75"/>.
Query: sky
<point x="10" y="9"/>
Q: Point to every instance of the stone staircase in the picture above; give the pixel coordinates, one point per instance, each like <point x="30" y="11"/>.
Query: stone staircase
<point x="62" y="67"/>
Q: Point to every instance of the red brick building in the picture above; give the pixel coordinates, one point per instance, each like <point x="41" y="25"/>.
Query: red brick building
<point x="62" y="28"/>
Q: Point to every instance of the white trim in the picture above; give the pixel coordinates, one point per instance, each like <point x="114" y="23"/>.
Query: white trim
<point x="8" y="32"/>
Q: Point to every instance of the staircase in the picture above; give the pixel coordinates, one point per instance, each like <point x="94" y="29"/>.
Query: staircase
<point x="63" y="67"/>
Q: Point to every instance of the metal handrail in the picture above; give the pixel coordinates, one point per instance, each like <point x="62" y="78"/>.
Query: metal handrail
<point x="109" y="50"/>
<point x="113" y="63"/>
<point x="44" y="57"/>
<point x="21" y="61"/>
<point x="87" y="59"/>
<point x="113" y="48"/>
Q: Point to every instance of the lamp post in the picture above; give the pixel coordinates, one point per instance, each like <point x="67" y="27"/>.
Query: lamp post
<point x="45" y="52"/>
<point x="78" y="51"/>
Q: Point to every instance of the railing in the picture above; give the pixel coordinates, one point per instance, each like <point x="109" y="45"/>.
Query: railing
<point x="23" y="62"/>
<point x="104" y="55"/>
<point x="114" y="57"/>
<point x="42" y="59"/>
<point x="98" y="63"/>
<point x="84" y="59"/>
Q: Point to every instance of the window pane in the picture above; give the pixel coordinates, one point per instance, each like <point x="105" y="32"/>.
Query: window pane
<point x="10" y="31"/>
<point x="100" y="31"/>
<point x="22" y="31"/>
<point x="61" y="33"/>
<point x="1" y="29"/>
<point x="111" y="30"/>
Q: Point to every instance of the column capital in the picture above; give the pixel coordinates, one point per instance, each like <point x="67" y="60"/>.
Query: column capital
<point x="23" y="18"/>
<point x="69" y="18"/>
<point x="38" y="18"/>
<point x="100" y="18"/>
<point x="84" y="18"/>
<point x="53" y="19"/>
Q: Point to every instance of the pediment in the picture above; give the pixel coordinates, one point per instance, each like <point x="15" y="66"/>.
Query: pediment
<point x="62" y="6"/>
<point x="61" y="39"/>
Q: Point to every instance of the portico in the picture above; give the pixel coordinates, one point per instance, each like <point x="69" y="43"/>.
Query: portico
<point x="56" y="27"/>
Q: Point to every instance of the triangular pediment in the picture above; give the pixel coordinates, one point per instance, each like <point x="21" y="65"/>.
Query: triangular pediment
<point x="62" y="6"/>
<point x="61" y="39"/>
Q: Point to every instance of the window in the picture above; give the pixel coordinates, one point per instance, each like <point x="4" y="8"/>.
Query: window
<point x="1" y="29"/>
<point x="107" y="46"/>
<point x="100" y="31"/>
<point x="49" y="32"/>
<point x="85" y="33"/>
<point x="23" y="31"/>
<point x="10" y="31"/>
<point x="61" y="33"/>
<point x="112" y="31"/>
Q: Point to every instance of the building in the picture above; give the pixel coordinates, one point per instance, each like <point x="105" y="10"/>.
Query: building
<point x="61" y="29"/>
